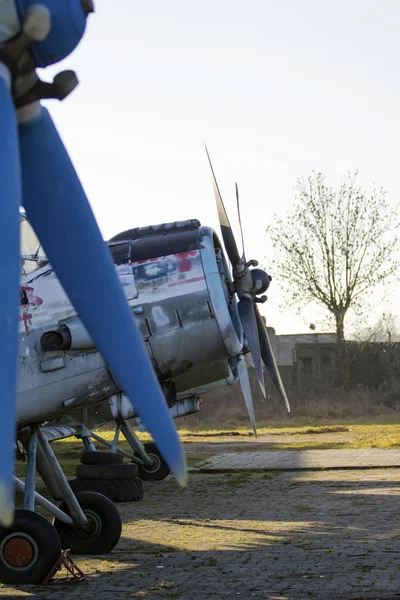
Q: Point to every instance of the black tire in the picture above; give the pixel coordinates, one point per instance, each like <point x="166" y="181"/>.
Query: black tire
<point x="32" y="542"/>
<point x="117" y="490"/>
<point x="107" y="472"/>
<point x="128" y="490"/>
<point x="105" y="530"/>
<point x="89" y="457"/>
<point x="159" y="470"/>
<point x="100" y="486"/>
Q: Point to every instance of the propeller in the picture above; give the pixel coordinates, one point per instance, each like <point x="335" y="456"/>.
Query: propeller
<point x="249" y="285"/>
<point x="250" y="328"/>
<point x="10" y="201"/>
<point x="246" y="390"/>
<point x="60" y="214"/>
<point x="240" y="220"/>
<point x="269" y="358"/>
<point x="35" y="27"/>
<point x="227" y="233"/>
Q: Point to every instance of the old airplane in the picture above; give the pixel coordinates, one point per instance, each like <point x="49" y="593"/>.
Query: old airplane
<point x="192" y="322"/>
<point x="185" y="302"/>
<point x="36" y="172"/>
<point x="196" y="321"/>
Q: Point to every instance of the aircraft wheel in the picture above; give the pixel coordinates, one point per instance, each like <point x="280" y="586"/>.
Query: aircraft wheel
<point x="28" y="549"/>
<point x="158" y="469"/>
<point x="104" y="529"/>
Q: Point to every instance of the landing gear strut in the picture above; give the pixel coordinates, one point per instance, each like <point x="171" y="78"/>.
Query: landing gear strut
<point x="87" y="524"/>
<point x="150" y="462"/>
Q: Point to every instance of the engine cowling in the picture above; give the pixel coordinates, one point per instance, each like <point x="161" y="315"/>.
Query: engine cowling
<point x="184" y="306"/>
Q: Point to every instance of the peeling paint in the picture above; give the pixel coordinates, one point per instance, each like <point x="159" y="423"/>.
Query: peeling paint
<point x="159" y="316"/>
<point x="182" y="298"/>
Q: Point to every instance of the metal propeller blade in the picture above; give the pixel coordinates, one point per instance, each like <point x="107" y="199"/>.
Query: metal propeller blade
<point x="249" y="323"/>
<point x="10" y="201"/>
<point x="269" y="359"/>
<point x="61" y="216"/>
<point x="245" y="384"/>
<point x="227" y="233"/>
<point x="249" y="359"/>
<point x="240" y="221"/>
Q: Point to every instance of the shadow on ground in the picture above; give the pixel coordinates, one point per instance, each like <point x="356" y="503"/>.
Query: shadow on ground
<point x="280" y="536"/>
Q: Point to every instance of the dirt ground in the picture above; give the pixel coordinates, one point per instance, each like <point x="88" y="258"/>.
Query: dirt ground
<point x="273" y="535"/>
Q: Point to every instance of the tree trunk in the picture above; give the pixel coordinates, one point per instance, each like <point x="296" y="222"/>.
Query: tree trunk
<point x="339" y="318"/>
<point x="343" y="365"/>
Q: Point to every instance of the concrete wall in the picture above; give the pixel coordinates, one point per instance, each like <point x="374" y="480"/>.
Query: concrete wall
<point x="286" y="345"/>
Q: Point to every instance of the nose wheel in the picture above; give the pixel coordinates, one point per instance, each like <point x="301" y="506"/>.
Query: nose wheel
<point x="28" y="549"/>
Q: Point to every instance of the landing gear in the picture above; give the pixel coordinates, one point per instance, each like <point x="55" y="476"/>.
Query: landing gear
<point x="28" y="549"/>
<point x="150" y="462"/>
<point x="158" y="469"/>
<point x="105" y="473"/>
<point x="86" y="524"/>
<point x="103" y="531"/>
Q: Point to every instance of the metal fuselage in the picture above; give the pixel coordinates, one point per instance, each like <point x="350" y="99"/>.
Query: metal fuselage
<point x="176" y="282"/>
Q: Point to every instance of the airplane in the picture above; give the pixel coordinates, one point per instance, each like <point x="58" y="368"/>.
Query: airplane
<point x="179" y="287"/>
<point x="78" y="343"/>
<point x="190" y="314"/>
<point x="192" y="353"/>
<point x="37" y="173"/>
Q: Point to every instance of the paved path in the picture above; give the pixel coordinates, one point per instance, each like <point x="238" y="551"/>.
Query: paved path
<point x="285" y="535"/>
<point x="292" y="460"/>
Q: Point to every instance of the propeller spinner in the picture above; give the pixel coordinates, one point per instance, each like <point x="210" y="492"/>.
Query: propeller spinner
<point x="249" y="285"/>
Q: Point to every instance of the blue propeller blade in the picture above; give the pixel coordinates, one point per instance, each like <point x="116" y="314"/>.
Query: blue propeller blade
<point x="10" y="200"/>
<point x="58" y="210"/>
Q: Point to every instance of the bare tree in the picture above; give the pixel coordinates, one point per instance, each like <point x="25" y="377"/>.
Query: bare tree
<point x="336" y="246"/>
<point x="383" y="330"/>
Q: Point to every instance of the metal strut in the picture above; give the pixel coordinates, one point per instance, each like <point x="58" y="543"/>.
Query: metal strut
<point x="135" y="444"/>
<point x="29" y="492"/>
<point x="46" y="504"/>
<point x="129" y="455"/>
<point x="46" y="474"/>
<point x="62" y="482"/>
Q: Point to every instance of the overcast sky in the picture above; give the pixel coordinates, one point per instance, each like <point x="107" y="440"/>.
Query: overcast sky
<point x="276" y="89"/>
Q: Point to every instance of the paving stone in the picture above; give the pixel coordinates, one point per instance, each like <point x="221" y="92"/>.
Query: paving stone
<point x="301" y="460"/>
<point x="294" y="535"/>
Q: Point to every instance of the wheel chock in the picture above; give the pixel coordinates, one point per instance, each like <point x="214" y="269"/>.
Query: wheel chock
<point x="74" y="574"/>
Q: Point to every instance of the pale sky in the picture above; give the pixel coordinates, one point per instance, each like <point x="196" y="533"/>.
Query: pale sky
<point x="275" y="88"/>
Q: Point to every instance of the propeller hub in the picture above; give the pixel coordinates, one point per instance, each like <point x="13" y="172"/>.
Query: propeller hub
<point x="261" y="280"/>
<point x="240" y="271"/>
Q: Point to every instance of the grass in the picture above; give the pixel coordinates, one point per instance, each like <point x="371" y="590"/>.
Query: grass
<point x="376" y="432"/>
<point x="299" y="434"/>
<point x="295" y="424"/>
